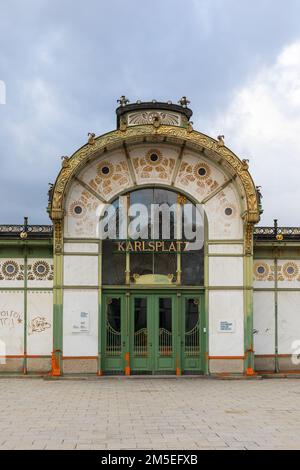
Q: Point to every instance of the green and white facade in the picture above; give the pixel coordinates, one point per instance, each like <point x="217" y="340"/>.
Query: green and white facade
<point x="71" y="303"/>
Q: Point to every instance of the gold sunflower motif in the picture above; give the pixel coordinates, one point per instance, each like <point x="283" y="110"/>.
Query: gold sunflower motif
<point x="105" y="169"/>
<point x="154" y="157"/>
<point x="10" y="269"/>
<point x="77" y="209"/>
<point x="261" y="271"/>
<point x="202" y="171"/>
<point x="290" y="270"/>
<point x="41" y="269"/>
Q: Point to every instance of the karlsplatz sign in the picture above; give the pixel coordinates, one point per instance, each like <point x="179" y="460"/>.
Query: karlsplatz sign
<point x="161" y="246"/>
<point x="155" y="227"/>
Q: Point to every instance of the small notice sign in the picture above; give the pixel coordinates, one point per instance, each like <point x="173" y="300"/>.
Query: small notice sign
<point x="226" y="326"/>
<point x="80" y="322"/>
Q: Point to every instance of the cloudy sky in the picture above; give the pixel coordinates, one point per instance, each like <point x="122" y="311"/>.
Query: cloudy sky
<point x="66" y="62"/>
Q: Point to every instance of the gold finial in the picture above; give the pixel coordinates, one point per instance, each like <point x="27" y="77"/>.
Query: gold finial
<point x="91" y="138"/>
<point x="123" y="100"/>
<point x="221" y="140"/>
<point x="184" y="102"/>
<point x="156" y="121"/>
<point x="245" y="163"/>
<point x="64" y="161"/>
<point x="190" y="126"/>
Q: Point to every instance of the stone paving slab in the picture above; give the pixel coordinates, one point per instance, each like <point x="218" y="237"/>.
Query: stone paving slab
<point x="149" y="414"/>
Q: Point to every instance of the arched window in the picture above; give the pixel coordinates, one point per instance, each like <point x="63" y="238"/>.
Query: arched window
<point x="160" y="224"/>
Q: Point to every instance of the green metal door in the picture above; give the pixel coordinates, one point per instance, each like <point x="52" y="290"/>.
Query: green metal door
<point x="141" y="334"/>
<point x="192" y="334"/>
<point x="114" y="333"/>
<point x="153" y="333"/>
<point x="165" y="333"/>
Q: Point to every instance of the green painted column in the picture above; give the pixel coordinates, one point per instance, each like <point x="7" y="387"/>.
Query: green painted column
<point x="100" y="321"/>
<point x="57" y="300"/>
<point x="248" y="301"/>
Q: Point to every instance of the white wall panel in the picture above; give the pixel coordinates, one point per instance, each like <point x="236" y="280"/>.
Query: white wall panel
<point x="226" y="271"/>
<point x="80" y="270"/>
<point x="12" y="322"/>
<point x="75" y="302"/>
<point x="229" y="306"/>
<point x="230" y="249"/>
<point x="288" y="320"/>
<point x="39" y="322"/>
<point x="264" y="322"/>
<point x="81" y="247"/>
<point x="11" y="272"/>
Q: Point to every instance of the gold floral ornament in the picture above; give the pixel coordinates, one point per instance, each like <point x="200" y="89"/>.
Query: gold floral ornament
<point x="290" y="270"/>
<point x="105" y="169"/>
<point x="154" y="157"/>
<point x="41" y="269"/>
<point x="10" y="269"/>
<point x="261" y="271"/>
<point x="77" y="209"/>
<point x="202" y="171"/>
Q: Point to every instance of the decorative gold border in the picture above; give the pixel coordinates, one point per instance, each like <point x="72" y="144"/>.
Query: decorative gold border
<point x="116" y="138"/>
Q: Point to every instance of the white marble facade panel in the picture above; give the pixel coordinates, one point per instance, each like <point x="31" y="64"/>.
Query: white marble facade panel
<point x="288" y="322"/>
<point x="229" y="249"/>
<point x="108" y="175"/>
<point x="39" y="322"/>
<point x="11" y="272"/>
<point x="263" y="274"/>
<point x="226" y="306"/>
<point x="81" y="248"/>
<point x="199" y="176"/>
<point x="289" y="273"/>
<point x="224" y="215"/>
<point x="154" y="163"/>
<point x="40" y="272"/>
<point x="226" y="271"/>
<point x="12" y="322"/>
<point x="79" y="341"/>
<point x="82" y="213"/>
<point x="80" y="270"/>
<point x="264" y="322"/>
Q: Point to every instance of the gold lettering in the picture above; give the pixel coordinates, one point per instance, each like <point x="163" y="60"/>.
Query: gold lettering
<point x="121" y="246"/>
<point x="151" y="246"/>
<point x="172" y="247"/>
<point x="137" y="246"/>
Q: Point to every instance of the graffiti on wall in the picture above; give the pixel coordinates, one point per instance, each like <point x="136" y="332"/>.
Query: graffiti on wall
<point x="38" y="325"/>
<point x="10" y="319"/>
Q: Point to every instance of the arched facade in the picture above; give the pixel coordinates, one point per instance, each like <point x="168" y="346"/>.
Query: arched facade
<point x="190" y="164"/>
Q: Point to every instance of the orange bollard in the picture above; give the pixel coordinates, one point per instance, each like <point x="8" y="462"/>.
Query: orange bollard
<point x="55" y="365"/>
<point x="127" y="366"/>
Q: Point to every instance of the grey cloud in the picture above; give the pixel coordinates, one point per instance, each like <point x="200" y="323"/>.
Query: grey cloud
<point x="65" y="63"/>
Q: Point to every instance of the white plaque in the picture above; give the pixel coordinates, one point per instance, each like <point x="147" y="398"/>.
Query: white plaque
<point x="226" y="326"/>
<point x="81" y="322"/>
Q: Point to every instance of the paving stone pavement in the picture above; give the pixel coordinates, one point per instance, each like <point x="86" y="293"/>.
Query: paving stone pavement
<point x="117" y="413"/>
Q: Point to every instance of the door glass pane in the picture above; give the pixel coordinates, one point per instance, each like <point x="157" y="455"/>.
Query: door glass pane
<point x="140" y="327"/>
<point x="165" y="327"/>
<point x="113" y="264"/>
<point x="113" y="327"/>
<point x="192" y="272"/>
<point x="192" y="346"/>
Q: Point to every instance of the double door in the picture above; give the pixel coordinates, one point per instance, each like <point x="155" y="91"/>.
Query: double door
<point x="152" y="333"/>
